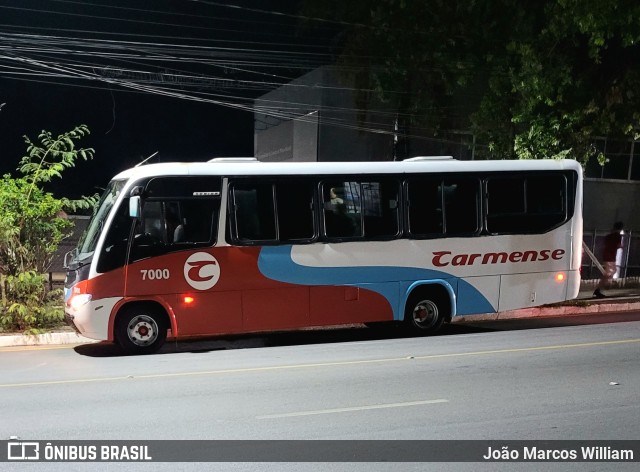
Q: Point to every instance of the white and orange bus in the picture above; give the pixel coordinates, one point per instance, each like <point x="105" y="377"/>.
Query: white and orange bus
<point x="235" y="246"/>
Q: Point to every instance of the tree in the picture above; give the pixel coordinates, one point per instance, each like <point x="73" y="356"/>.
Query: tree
<point x="33" y="222"/>
<point x="531" y="79"/>
<point x="31" y="226"/>
<point x="574" y="77"/>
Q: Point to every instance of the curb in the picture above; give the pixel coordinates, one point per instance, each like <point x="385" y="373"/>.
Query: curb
<point x="43" y="339"/>
<point x="550" y="311"/>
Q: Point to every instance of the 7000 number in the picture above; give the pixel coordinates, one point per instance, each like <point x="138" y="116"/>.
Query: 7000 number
<point x="155" y="274"/>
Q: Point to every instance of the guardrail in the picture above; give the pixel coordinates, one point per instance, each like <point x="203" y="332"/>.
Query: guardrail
<point x="628" y="260"/>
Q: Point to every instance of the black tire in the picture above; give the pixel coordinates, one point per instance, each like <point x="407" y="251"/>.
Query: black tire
<point x="425" y="311"/>
<point x="141" y="329"/>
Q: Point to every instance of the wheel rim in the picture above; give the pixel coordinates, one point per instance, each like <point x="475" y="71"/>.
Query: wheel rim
<point x="142" y="330"/>
<point x="425" y="314"/>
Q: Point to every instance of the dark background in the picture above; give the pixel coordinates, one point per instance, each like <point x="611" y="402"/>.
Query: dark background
<point x="255" y="44"/>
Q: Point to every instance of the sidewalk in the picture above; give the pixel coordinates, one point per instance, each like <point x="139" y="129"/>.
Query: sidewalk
<point x="63" y="336"/>
<point x="618" y="300"/>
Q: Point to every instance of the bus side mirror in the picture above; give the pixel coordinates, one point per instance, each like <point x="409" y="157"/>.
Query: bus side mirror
<point x="135" y="207"/>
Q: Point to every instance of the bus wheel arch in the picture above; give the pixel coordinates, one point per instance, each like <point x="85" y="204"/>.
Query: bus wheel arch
<point x="141" y="327"/>
<point x="427" y="307"/>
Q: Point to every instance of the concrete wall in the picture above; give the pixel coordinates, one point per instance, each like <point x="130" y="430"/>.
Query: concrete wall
<point x="348" y="133"/>
<point x="314" y="118"/>
<point x="286" y="121"/>
<point x="608" y="201"/>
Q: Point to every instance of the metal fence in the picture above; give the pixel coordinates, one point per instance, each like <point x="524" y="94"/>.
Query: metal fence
<point x="628" y="260"/>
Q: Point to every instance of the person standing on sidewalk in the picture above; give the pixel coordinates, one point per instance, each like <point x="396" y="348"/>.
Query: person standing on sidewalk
<point x="612" y="242"/>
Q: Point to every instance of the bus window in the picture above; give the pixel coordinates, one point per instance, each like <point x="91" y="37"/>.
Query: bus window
<point x="425" y="215"/>
<point x="177" y="212"/>
<point x="272" y="212"/>
<point x="253" y="207"/>
<point x="176" y="222"/>
<point x="294" y="203"/>
<point x="533" y="204"/>
<point x="438" y="207"/>
<point x="361" y="209"/>
<point x="341" y="209"/>
<point x="380" y="209"/>
<point x="192" y="221"/>
<point x="173" y="225"/>
<point x="461" y="206"/>
<point x="153" y="222"/>
<point x="547" y="195"/>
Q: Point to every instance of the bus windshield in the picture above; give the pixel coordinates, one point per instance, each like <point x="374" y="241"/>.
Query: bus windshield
<point x="89" y="239"/>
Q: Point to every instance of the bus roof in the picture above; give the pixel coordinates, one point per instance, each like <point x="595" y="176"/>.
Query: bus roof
<point x="249" y="166"/>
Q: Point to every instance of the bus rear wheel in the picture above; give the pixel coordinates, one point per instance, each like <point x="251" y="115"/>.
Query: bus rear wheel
<point x="140" y="330"/>
<point x="425" y="312"/>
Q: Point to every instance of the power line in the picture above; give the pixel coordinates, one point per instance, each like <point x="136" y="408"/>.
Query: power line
<point x="141" y="67"/>
<point x="271" y="32"/>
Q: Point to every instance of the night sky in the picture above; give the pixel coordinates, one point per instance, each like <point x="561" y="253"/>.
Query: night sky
<point x="109" y="64"/>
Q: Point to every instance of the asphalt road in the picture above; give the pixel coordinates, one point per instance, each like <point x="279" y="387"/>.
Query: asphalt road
<point x="557" y="378"/>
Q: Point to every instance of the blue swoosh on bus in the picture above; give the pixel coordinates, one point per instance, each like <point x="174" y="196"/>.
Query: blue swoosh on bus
<point x="276" y="263"/>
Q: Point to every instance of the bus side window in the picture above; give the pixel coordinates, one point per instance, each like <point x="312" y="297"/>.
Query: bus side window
<point x="195" y="223"/>
<point x="532" y="204"/>
<point x="505" y="204"/>
<point x="172" y="225"/>
<point x="153" y="222"/>
<point x="424" y="199"/>
<point x="253" y="210"/>
<point x="367" y="209"/>
<point x="341" y="209"/>
<point x="158" y="223"/>
<point x="294" y="205"/>
<point x="546" y="202"/>
<point x="461" y="206"/>
<point x="380" y="207"/>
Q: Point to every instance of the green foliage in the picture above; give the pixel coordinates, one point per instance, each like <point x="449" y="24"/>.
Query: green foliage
<point x="30" y="230"/>
<point x="32" y="307"/>
<point x="52" y="156"/>
<point x="574" y="77"/>
<point x="530" y="79"/>
<point x="32" y="225"/>
<point x="83" y="203"/>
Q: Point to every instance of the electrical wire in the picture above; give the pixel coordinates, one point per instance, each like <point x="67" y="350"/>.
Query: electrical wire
<point x="183" y="68"/>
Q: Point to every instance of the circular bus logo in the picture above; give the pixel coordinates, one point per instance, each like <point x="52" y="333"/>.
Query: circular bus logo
<point x="201" y="271"/>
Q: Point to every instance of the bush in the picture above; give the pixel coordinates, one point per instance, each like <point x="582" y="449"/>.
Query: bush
<point x="32" y="224"/>
<point x="32" y="308"/>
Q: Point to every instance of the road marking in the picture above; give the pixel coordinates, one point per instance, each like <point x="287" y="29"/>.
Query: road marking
<point x="353" y="408"/>
<point x="324" y="364"/>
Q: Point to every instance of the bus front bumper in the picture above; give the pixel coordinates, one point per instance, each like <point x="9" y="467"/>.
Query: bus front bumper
<point x="91" y="319"/>
<point x="68" y="318"/>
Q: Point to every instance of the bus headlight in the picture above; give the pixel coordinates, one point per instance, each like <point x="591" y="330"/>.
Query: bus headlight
<point x="79" y="300"/>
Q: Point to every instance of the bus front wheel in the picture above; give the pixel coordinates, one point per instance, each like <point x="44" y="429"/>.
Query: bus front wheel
<point x="140" y="330"/>
<point x="425" y="312"/>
